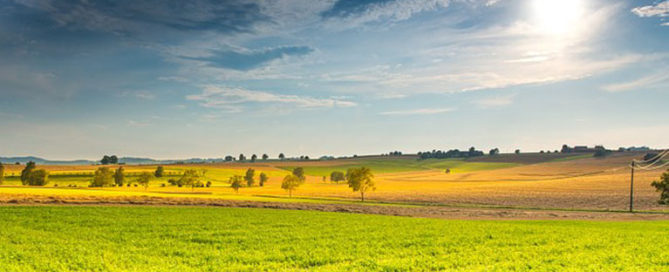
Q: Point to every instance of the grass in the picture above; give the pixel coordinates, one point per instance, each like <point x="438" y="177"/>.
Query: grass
<point x="574" y="157"/>
<point x="57" y="238"/>
<point x="381" y="166"/>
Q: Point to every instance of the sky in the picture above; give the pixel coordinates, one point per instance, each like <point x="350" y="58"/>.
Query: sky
<point x="180" y="79"/>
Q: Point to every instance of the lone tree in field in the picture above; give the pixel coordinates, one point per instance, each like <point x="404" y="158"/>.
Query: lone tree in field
<point x="242" y="157"/>
<point x="290" y="183"/>
<point x="160" y="171"/>
<point x="281" y="156"/>
<point x="254" y="157"/>
<point x="299" y="172"/>
<point x="2" y="173"/>
<point x="337" y="176"/>
<point x="360" y="180"/>
<point x="192" y="178"/>
<point x="102" y="177"/>
<point x="119" y="176"/>
<point x="144" y="179"/>
<point x="265" y="157"/>
<point x="249" y="177"/>
<point x="517" y="151"/>
<point x="236" y="182"/>
<point x="38" y="177"/>
<point x="25" y="173"/>
<point x="662" y="186"/>
<point x="263" y="178"/>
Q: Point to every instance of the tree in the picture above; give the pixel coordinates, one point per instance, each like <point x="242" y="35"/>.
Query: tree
<point x="102" y="177"/>
<point x="662" y="186"/>
<point x="566" y="149"/>
<point x="290" y="183"/>
<point x="113" y="159"/>
<point x="105" y="160"/>
<point x="25" y="173"/>
<point x="265" y="157"/>
<point x="242" y="157"/>
<point x="236" y="182"/>
<point x="494" y="151"/>
<point x="2" y="173"/>
<point x="38" y="177"/>
<point x="119" y="176"/>
<point x="299" y="172"/>
<point x="249" y="177"/>
<point x="263" y="179"/>
<point x="281" y="156"/>
<point x="361" y="180"/>
<point x="337" y="176"/>
<point x="192" y="178"/>
<point x="144" y="179"/>
<point x="517" y="151"/>
<point x="160" y="171"/>
<point x="254" y="157"/>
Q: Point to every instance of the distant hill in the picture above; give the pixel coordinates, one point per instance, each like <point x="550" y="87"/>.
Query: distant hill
<point x="124" y="160"/>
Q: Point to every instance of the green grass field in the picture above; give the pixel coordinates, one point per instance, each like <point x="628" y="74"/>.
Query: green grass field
<point x="406" y="165"/>
<point x="57" y="238"/>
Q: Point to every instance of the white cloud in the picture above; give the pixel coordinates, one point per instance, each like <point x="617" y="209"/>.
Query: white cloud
<point x="497" y="101"/>
<point x="418" y="111"/>
<point x="392" y="11"/>
<point x="646" y="81"/>
<point x="660" y="9"/>
<point x="233" y="99"/>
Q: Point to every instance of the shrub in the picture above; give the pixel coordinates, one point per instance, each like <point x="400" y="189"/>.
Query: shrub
<point x="38" y="177"/>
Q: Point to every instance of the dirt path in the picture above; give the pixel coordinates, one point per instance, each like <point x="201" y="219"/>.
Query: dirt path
<point x="411" y="211"/>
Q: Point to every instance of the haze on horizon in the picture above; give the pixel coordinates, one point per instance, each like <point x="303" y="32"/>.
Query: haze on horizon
<point x="180" y="79"/>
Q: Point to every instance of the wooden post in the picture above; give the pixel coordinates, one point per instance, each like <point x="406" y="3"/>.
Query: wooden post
<point x="632" y="189"/>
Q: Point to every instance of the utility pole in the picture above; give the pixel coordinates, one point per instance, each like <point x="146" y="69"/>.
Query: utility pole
<point x="632" y="189"/>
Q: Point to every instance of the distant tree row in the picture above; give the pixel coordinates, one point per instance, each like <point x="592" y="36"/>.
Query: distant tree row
<point x="109" y="160"/>
<point x="453" y="153"/>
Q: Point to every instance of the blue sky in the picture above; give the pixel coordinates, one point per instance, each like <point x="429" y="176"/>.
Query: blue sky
<point x="170" y="79"/>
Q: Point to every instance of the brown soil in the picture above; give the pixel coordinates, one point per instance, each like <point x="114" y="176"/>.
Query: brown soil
<point x="413" y="211"/>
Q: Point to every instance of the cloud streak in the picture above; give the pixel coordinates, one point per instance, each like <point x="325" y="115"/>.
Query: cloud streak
<point x="660" y="9"/>
<point x="234" y="99"/>
<point x="647" y="81"/>
<point x="427" y="111"/>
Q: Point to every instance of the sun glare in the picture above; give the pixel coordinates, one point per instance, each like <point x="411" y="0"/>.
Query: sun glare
<point x="557" y="17"/>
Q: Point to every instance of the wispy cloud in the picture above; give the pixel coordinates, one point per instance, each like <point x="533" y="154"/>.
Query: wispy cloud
<point x="647" y="81"/>
<point x="234" y="99"/>
<point x="252" y="58"/>
<point x="660" y="9"/>
<point x="497" y="101"/>
<point x="349" y="13"/>
<point x="418" y="111"/>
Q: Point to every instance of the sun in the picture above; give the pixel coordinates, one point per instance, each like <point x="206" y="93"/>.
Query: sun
<point x="557" y="17"/>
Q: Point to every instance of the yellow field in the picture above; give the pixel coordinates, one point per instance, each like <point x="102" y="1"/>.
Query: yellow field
<point x="586" y="183"/>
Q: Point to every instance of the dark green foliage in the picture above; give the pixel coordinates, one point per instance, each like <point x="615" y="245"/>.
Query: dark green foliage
<point x="265" y="157"/>
<point x="281" y="156"/>
<point x="263" y="178"/>
<point x="249" y="177"/>
<point x="236" y="182"/>
<point x="144" y="178"/>
<point x="160" y="171"/>
<point x="662" y="186"/>
<point x="337" y="176"/>
<point x="494" y="151"/>
<point x="290" y="183"/>
<point x="254" y="157"/>
<point x="103" y="177"/>
<point x="453" y="153"/>
<point x="360" y="180"/>
<point x="119" y="176"/>
<point x="2" y="173"/>
<point x="25" y="173"/>
<point x="299" y="172"/>
<point x="242" y="157"/>
<point x="38" y="177"/>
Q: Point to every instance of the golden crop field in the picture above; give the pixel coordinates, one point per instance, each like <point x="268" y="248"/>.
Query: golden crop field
<point x="581" y="183"/>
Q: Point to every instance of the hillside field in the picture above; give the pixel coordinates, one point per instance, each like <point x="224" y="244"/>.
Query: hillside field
<point x="546" y="181"/>
<point x="54" y="238"/>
